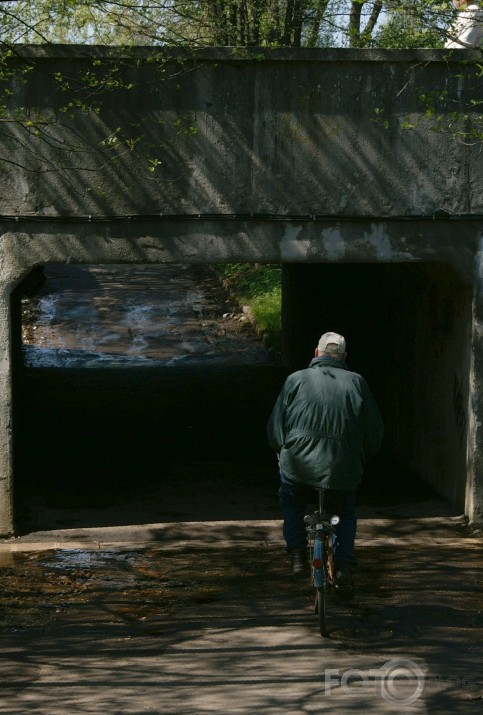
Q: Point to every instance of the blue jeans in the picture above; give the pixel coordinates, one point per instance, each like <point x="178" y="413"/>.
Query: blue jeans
<point x="294" y="497"/>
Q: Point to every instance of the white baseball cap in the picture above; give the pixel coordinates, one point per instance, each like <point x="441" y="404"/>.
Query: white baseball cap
<point x="332" y="343"/>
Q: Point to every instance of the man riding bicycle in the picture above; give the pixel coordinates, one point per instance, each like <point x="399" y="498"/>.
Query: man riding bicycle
<point x="324" y="426"/>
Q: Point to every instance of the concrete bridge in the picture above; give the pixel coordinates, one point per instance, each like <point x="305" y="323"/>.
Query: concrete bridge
<point x="360" y="171"/>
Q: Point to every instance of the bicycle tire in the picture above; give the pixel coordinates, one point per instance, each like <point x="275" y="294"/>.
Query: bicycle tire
<point x="320" y="603"/>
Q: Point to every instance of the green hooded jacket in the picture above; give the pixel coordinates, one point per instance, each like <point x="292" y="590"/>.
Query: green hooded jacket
<point x="325" y="425"/>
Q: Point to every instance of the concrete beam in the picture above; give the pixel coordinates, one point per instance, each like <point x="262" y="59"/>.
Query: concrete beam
<point x="27" y="243"/>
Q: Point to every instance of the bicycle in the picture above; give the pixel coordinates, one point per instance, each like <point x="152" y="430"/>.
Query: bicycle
<point x="320" y="534"/>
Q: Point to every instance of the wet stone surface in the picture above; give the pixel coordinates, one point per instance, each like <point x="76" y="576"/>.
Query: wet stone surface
<point x="401" y="598"/>
<point x="141" y="587"/>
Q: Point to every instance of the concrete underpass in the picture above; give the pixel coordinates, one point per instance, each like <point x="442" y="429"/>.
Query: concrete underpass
<point x="101" y="437"/>
<point x="378" y="229"/>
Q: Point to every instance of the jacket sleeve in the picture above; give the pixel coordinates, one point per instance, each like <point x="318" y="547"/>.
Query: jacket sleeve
<point x="276" y="422"/>
<point x="374" y="427"/>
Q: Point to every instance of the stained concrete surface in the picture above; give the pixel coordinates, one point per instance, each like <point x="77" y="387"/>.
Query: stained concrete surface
<point x="195" y="617"/>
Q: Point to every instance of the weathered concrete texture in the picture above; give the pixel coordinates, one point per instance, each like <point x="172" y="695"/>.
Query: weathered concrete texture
<point x="242" y="132"/>
<point x="474" y="486"/>
<point x="26" y="243"/>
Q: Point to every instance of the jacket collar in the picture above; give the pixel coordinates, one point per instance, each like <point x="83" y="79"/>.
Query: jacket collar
<point x="328" y="362"/>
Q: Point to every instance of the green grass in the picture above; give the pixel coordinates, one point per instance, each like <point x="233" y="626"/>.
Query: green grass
<point x="259" y="287"/>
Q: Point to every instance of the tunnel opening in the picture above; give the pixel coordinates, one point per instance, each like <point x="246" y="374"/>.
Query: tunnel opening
<point x="109" y="445"/>
<point x="144" y="399"/>
<point x="408" y="327"/>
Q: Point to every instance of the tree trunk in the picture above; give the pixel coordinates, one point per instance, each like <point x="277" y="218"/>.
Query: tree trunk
<point x="355" y="22"/>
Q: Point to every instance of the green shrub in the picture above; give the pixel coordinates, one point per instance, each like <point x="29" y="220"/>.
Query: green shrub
<point x="260" y="287"/>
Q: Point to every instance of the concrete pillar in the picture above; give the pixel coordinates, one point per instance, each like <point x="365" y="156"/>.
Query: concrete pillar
<point x="474" y="482"/>
<point x="6" y="500"/>
<point x="14" y="261"/>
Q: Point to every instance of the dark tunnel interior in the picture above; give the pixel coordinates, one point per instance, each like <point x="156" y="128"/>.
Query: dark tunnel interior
<point x="408" y="329"/>
<point x="188" y="442"/>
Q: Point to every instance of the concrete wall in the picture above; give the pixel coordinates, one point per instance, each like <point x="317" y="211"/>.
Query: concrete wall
<point x="297" y="157"/>
<point x="331" y="132"/>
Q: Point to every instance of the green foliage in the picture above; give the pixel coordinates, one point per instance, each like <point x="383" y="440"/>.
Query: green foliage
<point x="81" y="21"/>
<point x="259" y="287"/>
<point x="266" y="23"/>
<point x="236" y="23"/>
<point x="407" y="28"/>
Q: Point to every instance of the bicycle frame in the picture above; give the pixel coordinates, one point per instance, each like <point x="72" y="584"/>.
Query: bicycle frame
<point x="320" y="535"/>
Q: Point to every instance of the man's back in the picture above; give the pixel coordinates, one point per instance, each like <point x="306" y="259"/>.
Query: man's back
<point x="325" y="425"/>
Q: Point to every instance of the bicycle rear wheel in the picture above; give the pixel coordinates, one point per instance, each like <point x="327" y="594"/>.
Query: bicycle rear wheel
<point x="320" y="599"/>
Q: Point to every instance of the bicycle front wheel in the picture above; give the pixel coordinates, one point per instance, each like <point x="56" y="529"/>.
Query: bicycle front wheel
<point x="320" y="610"/>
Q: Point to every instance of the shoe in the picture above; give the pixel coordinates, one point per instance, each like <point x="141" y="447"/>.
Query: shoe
<point x="299" y="562"/>
<point x="344" y="585"/>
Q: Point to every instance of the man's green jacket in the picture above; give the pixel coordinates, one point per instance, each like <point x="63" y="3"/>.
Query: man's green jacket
<point x="325" y="425"/>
